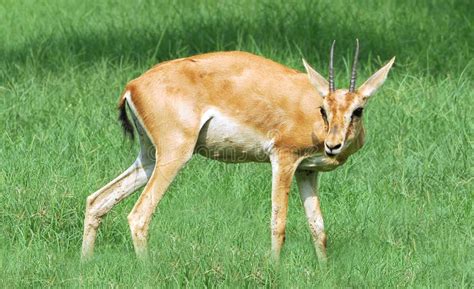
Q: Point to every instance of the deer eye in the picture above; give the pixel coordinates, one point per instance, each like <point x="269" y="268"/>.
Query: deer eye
<point x="323" y="112"/>
<point x="357" y="112"/>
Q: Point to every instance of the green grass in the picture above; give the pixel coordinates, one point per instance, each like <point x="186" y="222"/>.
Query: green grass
<point x="398" y="214"/>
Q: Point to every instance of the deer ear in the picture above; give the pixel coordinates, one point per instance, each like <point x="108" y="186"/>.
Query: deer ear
<point x="376" y="80"/>
<point x="317" y="80"/>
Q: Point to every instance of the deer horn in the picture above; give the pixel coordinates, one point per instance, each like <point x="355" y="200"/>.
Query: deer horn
<point x="354" y="68"/>
<point x="332" y="87"/>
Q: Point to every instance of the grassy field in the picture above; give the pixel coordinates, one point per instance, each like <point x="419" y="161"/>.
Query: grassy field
<point x="398" y="214"/>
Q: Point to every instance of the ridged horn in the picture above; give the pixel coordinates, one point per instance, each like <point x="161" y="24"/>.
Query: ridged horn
<point x="332" y="87"/>
<point x="354" y="68"/>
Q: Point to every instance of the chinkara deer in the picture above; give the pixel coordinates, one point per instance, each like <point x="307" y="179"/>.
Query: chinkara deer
<point x="235" y="107"/>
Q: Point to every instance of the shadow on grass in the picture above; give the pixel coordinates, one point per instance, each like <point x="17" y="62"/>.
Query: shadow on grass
<point x="273" y="31"/>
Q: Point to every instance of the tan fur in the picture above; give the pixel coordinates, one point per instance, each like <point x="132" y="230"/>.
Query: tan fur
<point x="244" y="104"/>
<point x="279" y="99"/>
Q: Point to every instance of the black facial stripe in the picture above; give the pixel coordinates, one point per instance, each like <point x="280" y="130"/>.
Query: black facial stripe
<point x="323" y="112"/>
<point x="357" y="112"/>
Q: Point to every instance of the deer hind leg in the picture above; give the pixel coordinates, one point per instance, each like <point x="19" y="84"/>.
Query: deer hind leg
<point x="171" y="156"/>
<point x="101" y="202"/>
<point x="308" y="185"/>
<point x="283" y="168"/>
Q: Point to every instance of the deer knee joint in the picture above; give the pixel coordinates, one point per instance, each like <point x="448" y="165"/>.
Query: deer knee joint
<point x="90" y="201"/>
<point x="279" y="232"/>
<point x="136" y="226"/>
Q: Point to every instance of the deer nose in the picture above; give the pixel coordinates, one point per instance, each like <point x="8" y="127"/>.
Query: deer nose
<point x="333" y="147"/>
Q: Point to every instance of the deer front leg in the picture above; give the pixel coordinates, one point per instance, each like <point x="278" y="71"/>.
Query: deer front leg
<point x="283" y="169"/>
<point x="308" y="185"/>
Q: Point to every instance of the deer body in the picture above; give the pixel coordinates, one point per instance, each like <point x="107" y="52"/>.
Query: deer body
<point x="231" y="107"/>
<point x="242" y="114"/>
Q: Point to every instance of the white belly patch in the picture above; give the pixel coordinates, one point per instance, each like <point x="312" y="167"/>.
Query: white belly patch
<point x="223" y="138"/>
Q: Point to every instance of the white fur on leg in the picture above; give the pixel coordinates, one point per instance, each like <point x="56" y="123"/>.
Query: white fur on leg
<point x="307" y="185"/>
<point x="102" y="201"/>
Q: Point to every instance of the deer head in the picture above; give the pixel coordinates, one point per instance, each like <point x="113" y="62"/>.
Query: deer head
<point x="342" y="109"/>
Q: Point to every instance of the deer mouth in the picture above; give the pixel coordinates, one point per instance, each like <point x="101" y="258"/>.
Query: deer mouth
<point x="331" y="154"/>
